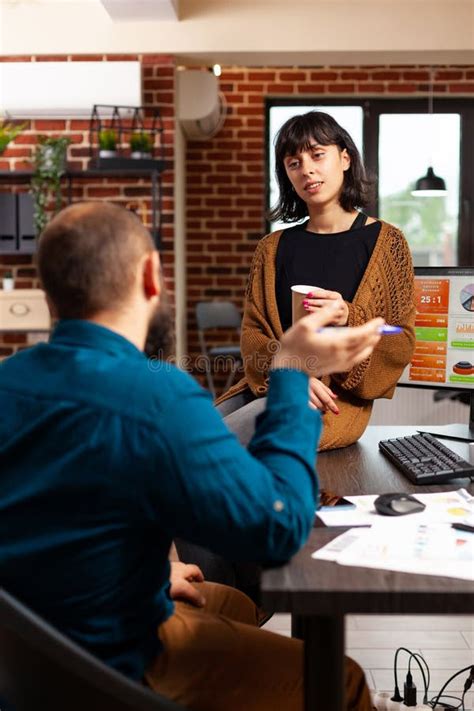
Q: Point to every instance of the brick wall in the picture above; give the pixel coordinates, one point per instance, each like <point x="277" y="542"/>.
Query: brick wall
<point x="226" y="178"/>
<point x="158" y="92"/>
<point x="225" y="175"/>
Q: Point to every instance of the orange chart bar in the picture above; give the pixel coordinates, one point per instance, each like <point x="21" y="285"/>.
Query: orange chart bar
<point x="428" y="375"/>
<point x="430" y="348"/>
<point x="428" y="361"/>
<point x="431" y="320"/>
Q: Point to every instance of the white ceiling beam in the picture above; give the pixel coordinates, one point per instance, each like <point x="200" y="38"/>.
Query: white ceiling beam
<point x="125" y="10"/>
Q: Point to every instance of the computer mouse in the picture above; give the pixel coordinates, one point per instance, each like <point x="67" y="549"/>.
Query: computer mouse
<point x="397" y="504"/>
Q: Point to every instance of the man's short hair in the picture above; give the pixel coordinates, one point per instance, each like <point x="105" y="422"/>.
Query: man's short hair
<point x="87" y="257"/>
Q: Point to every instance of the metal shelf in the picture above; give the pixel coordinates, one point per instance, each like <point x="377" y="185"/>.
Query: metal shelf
<point x="149" y="168"/>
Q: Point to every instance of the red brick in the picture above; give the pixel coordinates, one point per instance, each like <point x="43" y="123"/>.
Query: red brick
<point x="255" y="99"/>
<point x="250" y="111"/>
<point x="21" y="165"/>
<point x="251" y="87"/>
<point x="161" y="59"/>
<point x="48" y="125"/>
<point x="14" y="152"/>
<point x="465" y="88"/>
<point x="416" y="75"/>
<point x="341" y="88"/>
<point x="25" y="140"/>
<point x="158" y="84"/>
<point x="51" y="58"/>
<point x="121" y="57"/>
<point x="79" y="125"/>
<point x="16" y="58"/>
<point x="359" y="76"/>
<point x="292" y="76"/>
<point x="87" y="58"/>
<point x="401" y="88"/>
<point x="374" y="87"/>
<point x="232" y="75"/>
<point x="261" y="76"/>
<point x="311" y="88"/>
<point x="470" y="75"/>
<point x="447" y="75"/>
<point x="323" y="76"/>
<point x="6" y="351"/>
<point x="280" y="88"/>
<point x="386" y="75"/>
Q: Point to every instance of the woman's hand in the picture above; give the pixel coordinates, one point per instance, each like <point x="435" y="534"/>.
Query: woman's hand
<point x="181" y="577"/>
<point x="321" y="397"/>
<point x="304" y="348"/>
<point x="323" y="297"/>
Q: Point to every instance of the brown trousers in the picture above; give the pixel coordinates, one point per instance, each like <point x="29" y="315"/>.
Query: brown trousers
<point x="216" y="659"/>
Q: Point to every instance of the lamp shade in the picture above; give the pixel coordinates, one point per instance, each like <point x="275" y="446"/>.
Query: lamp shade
<point x="430" y="185"/>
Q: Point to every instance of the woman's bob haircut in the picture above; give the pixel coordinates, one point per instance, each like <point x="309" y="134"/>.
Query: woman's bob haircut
<point x="298" y="134"/>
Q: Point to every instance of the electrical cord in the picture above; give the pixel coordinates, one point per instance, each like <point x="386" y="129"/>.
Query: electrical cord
<point x="436" y="703"/>
<point x="396" y="694"/>
<point x="415" y="655"/>
<point x="467" y="686"/>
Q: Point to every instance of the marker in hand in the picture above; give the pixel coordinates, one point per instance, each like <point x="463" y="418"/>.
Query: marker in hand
<point x="385" y="330"/>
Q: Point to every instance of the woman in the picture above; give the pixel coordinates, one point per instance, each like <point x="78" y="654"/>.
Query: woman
<point x="361" y="265"/>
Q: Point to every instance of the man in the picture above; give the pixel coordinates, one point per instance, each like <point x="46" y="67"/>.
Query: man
<point x="105" y="459"/>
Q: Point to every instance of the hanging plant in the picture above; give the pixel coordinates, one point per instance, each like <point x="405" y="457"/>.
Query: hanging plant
<point x="49" y="164"/>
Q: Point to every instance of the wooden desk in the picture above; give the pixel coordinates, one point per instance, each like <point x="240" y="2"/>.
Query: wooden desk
<point x="320" y="593"/>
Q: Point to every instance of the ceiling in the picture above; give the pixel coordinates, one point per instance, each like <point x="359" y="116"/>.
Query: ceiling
<point x="246" y="32"/>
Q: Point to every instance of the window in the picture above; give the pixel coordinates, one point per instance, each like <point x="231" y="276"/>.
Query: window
<point x="399" y="140"/>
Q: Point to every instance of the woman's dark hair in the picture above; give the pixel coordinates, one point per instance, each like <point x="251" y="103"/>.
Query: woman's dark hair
<point x="298" y="134"/>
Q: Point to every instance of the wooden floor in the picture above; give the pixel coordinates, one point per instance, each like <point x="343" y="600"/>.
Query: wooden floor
<point x="446" y="643"/>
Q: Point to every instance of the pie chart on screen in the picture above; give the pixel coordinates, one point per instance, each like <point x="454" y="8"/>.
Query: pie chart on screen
<point x="467" y="297"/>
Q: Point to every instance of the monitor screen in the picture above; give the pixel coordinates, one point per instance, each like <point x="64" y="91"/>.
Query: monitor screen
<point x="444" y="327"/>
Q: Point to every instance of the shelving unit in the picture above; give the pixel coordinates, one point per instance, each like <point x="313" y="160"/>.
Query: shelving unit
<point x="152" y="170"/>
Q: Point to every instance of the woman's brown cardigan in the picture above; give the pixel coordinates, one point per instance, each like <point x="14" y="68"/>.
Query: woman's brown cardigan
<point x="386" y="290"/>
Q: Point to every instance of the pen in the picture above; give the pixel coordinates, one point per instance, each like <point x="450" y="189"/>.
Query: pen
<point x="384" y="330"/>
<point x="463" y="527"/>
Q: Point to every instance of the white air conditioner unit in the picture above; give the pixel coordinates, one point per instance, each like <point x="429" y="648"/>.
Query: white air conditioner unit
<point x="201" y="107"/>
<point x="66" y="89"/>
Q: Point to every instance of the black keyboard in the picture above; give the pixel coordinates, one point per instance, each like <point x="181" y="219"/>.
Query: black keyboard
<point x="424" y="460"/>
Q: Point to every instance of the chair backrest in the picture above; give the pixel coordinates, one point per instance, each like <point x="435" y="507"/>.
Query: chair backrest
<point x="42" y="670"/>
<point x="217" y="314"/>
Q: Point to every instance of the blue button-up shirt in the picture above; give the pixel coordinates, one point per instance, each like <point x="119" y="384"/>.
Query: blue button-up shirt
<point x="105" y="457"/>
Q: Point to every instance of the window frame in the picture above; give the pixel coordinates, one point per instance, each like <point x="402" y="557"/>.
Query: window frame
<point x="372" y="108"/>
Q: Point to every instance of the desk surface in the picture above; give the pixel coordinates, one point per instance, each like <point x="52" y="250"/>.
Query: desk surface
<point x="307" y="586"/>
<point x="361" y="469"/>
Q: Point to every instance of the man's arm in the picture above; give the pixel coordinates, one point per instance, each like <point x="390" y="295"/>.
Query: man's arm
<point x="257" y="504"/>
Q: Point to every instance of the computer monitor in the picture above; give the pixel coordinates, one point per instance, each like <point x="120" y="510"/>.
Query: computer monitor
<point x="444" y="327"/>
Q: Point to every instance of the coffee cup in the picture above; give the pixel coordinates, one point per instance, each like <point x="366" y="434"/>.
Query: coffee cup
<point x="298" y="295"/>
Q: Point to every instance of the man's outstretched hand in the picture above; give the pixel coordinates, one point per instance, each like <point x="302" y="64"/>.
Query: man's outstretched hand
<point x="332" y="351"/>
<point x="181" y="577"/>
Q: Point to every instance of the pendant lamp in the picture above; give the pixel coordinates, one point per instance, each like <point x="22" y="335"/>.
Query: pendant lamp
<point x="430" y="185"/>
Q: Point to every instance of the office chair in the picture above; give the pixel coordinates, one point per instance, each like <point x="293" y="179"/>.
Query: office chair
<point x="212" y="315"/>
<point x="43" y="670"/>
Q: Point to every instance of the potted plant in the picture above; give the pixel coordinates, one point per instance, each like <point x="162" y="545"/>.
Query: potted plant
<point x="49" y="164"/>
<point x="107" y="143"/>
<point x="141" y="144"/>
<point x="7" y="280"/>
<point x="9" y="131"/>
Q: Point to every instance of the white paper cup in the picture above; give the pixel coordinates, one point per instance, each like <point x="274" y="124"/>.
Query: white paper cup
<point x="298" y="293"/>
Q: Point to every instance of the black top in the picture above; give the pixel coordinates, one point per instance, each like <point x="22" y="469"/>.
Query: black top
<point x="335" y="261"/>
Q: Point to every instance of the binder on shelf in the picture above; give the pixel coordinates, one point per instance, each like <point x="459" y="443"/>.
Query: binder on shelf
<point x="8" y="223"/>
